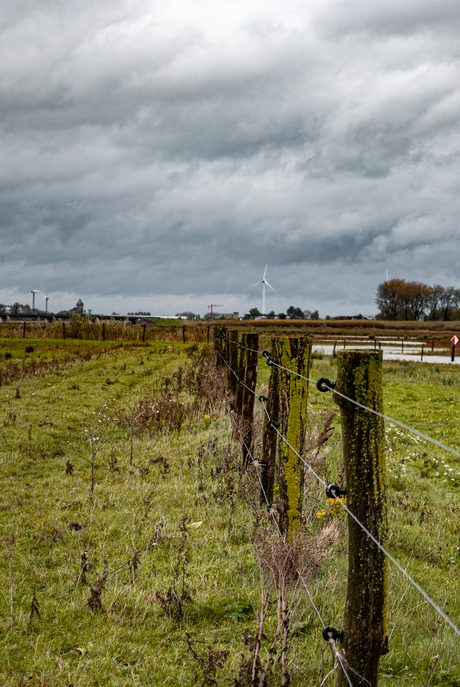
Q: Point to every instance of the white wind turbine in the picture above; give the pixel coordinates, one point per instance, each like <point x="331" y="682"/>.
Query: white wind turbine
<point x="264" y="282"/>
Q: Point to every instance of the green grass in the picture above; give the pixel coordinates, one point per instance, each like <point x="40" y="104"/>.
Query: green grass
<point x="45" y="420"/>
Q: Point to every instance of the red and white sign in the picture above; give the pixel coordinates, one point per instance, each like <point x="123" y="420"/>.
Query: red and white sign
<point x="454" y="340"/>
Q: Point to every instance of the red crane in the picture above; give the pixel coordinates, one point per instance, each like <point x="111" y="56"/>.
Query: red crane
<point x="214" y="305"/>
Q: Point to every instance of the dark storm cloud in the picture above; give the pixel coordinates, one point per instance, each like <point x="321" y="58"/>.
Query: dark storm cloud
<point x="150" y="149"/>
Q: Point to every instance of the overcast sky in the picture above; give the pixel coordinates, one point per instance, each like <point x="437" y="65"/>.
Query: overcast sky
<point x="156" y="155"/>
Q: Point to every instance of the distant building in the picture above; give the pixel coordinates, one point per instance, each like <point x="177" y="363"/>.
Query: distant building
<point x="79" y="306"/>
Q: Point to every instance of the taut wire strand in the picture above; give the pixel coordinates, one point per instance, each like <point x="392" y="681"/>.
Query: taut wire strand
<point x="387" y="554"/>
<point x="335" y="651"/>
<point x="370" y="410"/>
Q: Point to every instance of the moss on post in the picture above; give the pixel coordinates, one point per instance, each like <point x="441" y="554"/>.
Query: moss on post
<point x="241" y="367"/>
<point x="250" y="380"/>
<point x="359" y="376"/>
<point x="293" y="354"/>
<point x="232" y="358"/>
<point x="219" y="345"/>
<point x="270" y="436"/>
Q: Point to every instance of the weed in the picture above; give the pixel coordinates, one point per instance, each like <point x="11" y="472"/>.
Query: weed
<point x="210" y="662"/>
<point x="96" y="441"/>
<point x="113" y="460"/>
<point x="134" y="563"/>
<point x="84" y="567"/>
<point x="94" y="600"/>
<point x="173" y="600"/>
<point x="34" y="608"/>
<point x="278" y="563"/>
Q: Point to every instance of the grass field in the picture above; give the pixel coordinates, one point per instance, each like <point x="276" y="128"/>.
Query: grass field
<point x="148" y="574"/>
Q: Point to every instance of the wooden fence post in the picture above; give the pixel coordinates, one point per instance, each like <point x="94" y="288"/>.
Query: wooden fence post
<point x="240" y="369"/>
<point x="359" y="376"/>
<point x="232" y="359"/>
<point x="250" y="380"/>
<point x="183" y="333"/>
<point x="143" y="333"/>
<point x="219" y="346"/>
<point x="63" y="330"/>
<point x="294" y="354"/>
<point x="270" y="436"/>
<point x="103" y="331"/>
<point x="24" y="331"/>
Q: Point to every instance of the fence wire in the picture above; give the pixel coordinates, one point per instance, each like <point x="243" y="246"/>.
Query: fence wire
<point x="332" y="643"/>
<point x="422" y="435"/>
<point x="345" y="507"/>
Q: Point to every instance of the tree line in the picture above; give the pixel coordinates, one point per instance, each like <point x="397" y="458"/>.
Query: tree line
<point x="399" y="299"/>
<point x="292" y="313"/>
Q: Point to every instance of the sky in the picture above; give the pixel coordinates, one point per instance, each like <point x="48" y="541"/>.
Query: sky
<point x="155" y="156"/>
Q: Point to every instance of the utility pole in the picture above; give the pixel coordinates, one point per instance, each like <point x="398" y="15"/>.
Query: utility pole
<point x="46" y="303"/>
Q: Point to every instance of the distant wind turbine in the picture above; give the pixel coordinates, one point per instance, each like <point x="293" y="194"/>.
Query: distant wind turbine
<point x="264" y="282"/>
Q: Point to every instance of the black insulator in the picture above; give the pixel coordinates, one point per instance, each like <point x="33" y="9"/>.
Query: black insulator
<point x="271" y="424"/>
<point x="333" y="491"/>
<point x="332" y="633"/>
<point x="262" y="399"/>
<point x="322" y="382"/>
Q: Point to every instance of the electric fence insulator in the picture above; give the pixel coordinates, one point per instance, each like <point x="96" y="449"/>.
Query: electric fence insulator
<point x="271" y="424"/>
<point x="332" y="633"/>
<point x="271" y="361"/>
<point x="263" y="399"/>
<point x="333" y="491"/>
<point x="266" y="354"/>
<point x="325" y="384"/>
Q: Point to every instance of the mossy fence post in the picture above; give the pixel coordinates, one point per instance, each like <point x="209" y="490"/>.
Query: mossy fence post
<point x="270" y="436"/>
<point x="219" y="344"/>
<point x="250" y="380"/>
<point x="24" y="331"/>
<point x="241" y="366"/>
<point x="293" y="354"/>
<point x="359" y="376"/>
<point x="232" y="359"/>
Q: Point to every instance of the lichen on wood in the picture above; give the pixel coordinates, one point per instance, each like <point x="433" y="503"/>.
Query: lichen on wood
<point x="359" y="376"/>
<point x="250" y="382"/>
<point x="270" y="436"/>
<point x="293" y="354"/>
